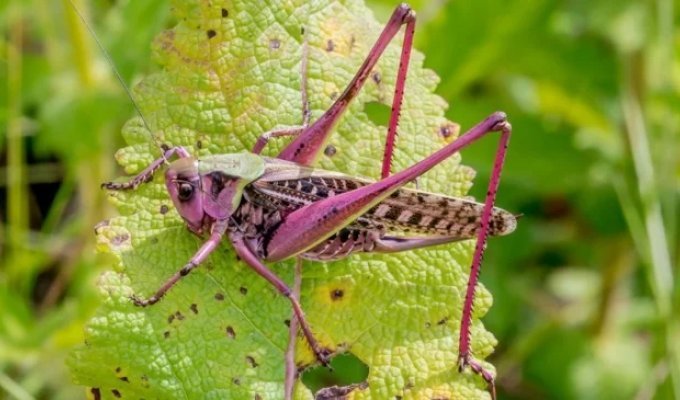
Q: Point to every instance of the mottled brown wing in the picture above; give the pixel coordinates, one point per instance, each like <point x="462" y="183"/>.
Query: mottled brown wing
<point x="407" y="212"/>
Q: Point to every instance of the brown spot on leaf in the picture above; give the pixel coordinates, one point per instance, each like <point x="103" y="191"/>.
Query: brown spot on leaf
<point x="194" y="308"/>
<point x="225" y="13"/>
<point x="236" y="381"/>
<point x="164" y="209"/>
<point x="96" y="393"/>
<point x="219" y="296"/>
<point x="337" y="294"/>
<point x="330" y="150"/>
<point x="230" y="332"/>
<point x="179" y="315"/>
<point x="124" y="379"/>
<point x="166" y="334"/>
<point x="171" y="318"/>
<point x="376" y="77"/>
<point x="448" y="130"/>
<point x="243" y="290"/>
<point x="100" y="225"/>
<point x="199" y="144"/>
<point x="120" y="239"/>
<point x="211" y="33"/>
<point x="250" y="360"/>
<point x="116" y="393"/>
<point x="274" y="44"/>
<point x="330" y="46"/>
<point x="443" y="321"/>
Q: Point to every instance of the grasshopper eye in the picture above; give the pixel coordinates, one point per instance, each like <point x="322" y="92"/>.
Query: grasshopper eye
<point x="185" y="191"/>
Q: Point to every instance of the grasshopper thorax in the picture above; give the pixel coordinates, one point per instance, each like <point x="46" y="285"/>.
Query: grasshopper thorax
<point x="211" y="188"/>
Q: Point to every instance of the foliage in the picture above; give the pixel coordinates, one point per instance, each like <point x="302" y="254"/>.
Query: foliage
<point x="231" y="72"/>
<point x="582" y="293"/>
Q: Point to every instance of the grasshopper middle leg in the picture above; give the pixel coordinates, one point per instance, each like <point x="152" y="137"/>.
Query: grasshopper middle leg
<point x="306" y="114"/>
<point x="247" y="255"/>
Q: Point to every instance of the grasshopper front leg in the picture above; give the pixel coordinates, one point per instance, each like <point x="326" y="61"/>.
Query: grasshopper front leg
<point x="147" y="174"/>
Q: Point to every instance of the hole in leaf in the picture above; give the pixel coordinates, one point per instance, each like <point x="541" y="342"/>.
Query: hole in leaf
<point x="346" y="369"/>
<point x="378" y="113"/>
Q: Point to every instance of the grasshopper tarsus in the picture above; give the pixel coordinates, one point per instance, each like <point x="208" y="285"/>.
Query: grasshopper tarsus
<point x="118" y="186"/>
<point x="140" y="302"/>
<point x="323" y="356"/>
<point x="466" y="360"/>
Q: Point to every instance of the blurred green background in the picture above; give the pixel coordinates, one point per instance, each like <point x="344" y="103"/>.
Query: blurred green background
<point x="585" y="291"/>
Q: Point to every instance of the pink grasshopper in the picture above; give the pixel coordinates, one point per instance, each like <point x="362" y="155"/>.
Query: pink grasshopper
<point x="273" y="209"/>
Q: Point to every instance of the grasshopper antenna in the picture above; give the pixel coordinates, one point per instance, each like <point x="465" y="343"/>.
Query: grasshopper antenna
<point x="109" y="60"/>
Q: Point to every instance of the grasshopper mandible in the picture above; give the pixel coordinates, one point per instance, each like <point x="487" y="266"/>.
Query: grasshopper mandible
<point x="272" y="209"/>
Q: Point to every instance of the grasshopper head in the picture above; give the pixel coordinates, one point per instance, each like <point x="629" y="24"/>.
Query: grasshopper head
<point x="183" y="182"/>
<point x="211" y="188"/>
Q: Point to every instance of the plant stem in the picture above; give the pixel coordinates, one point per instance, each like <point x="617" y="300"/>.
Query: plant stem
<point x="17" y="202"/>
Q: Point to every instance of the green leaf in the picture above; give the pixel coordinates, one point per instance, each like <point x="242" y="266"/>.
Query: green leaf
<point x="231" y="72"/>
